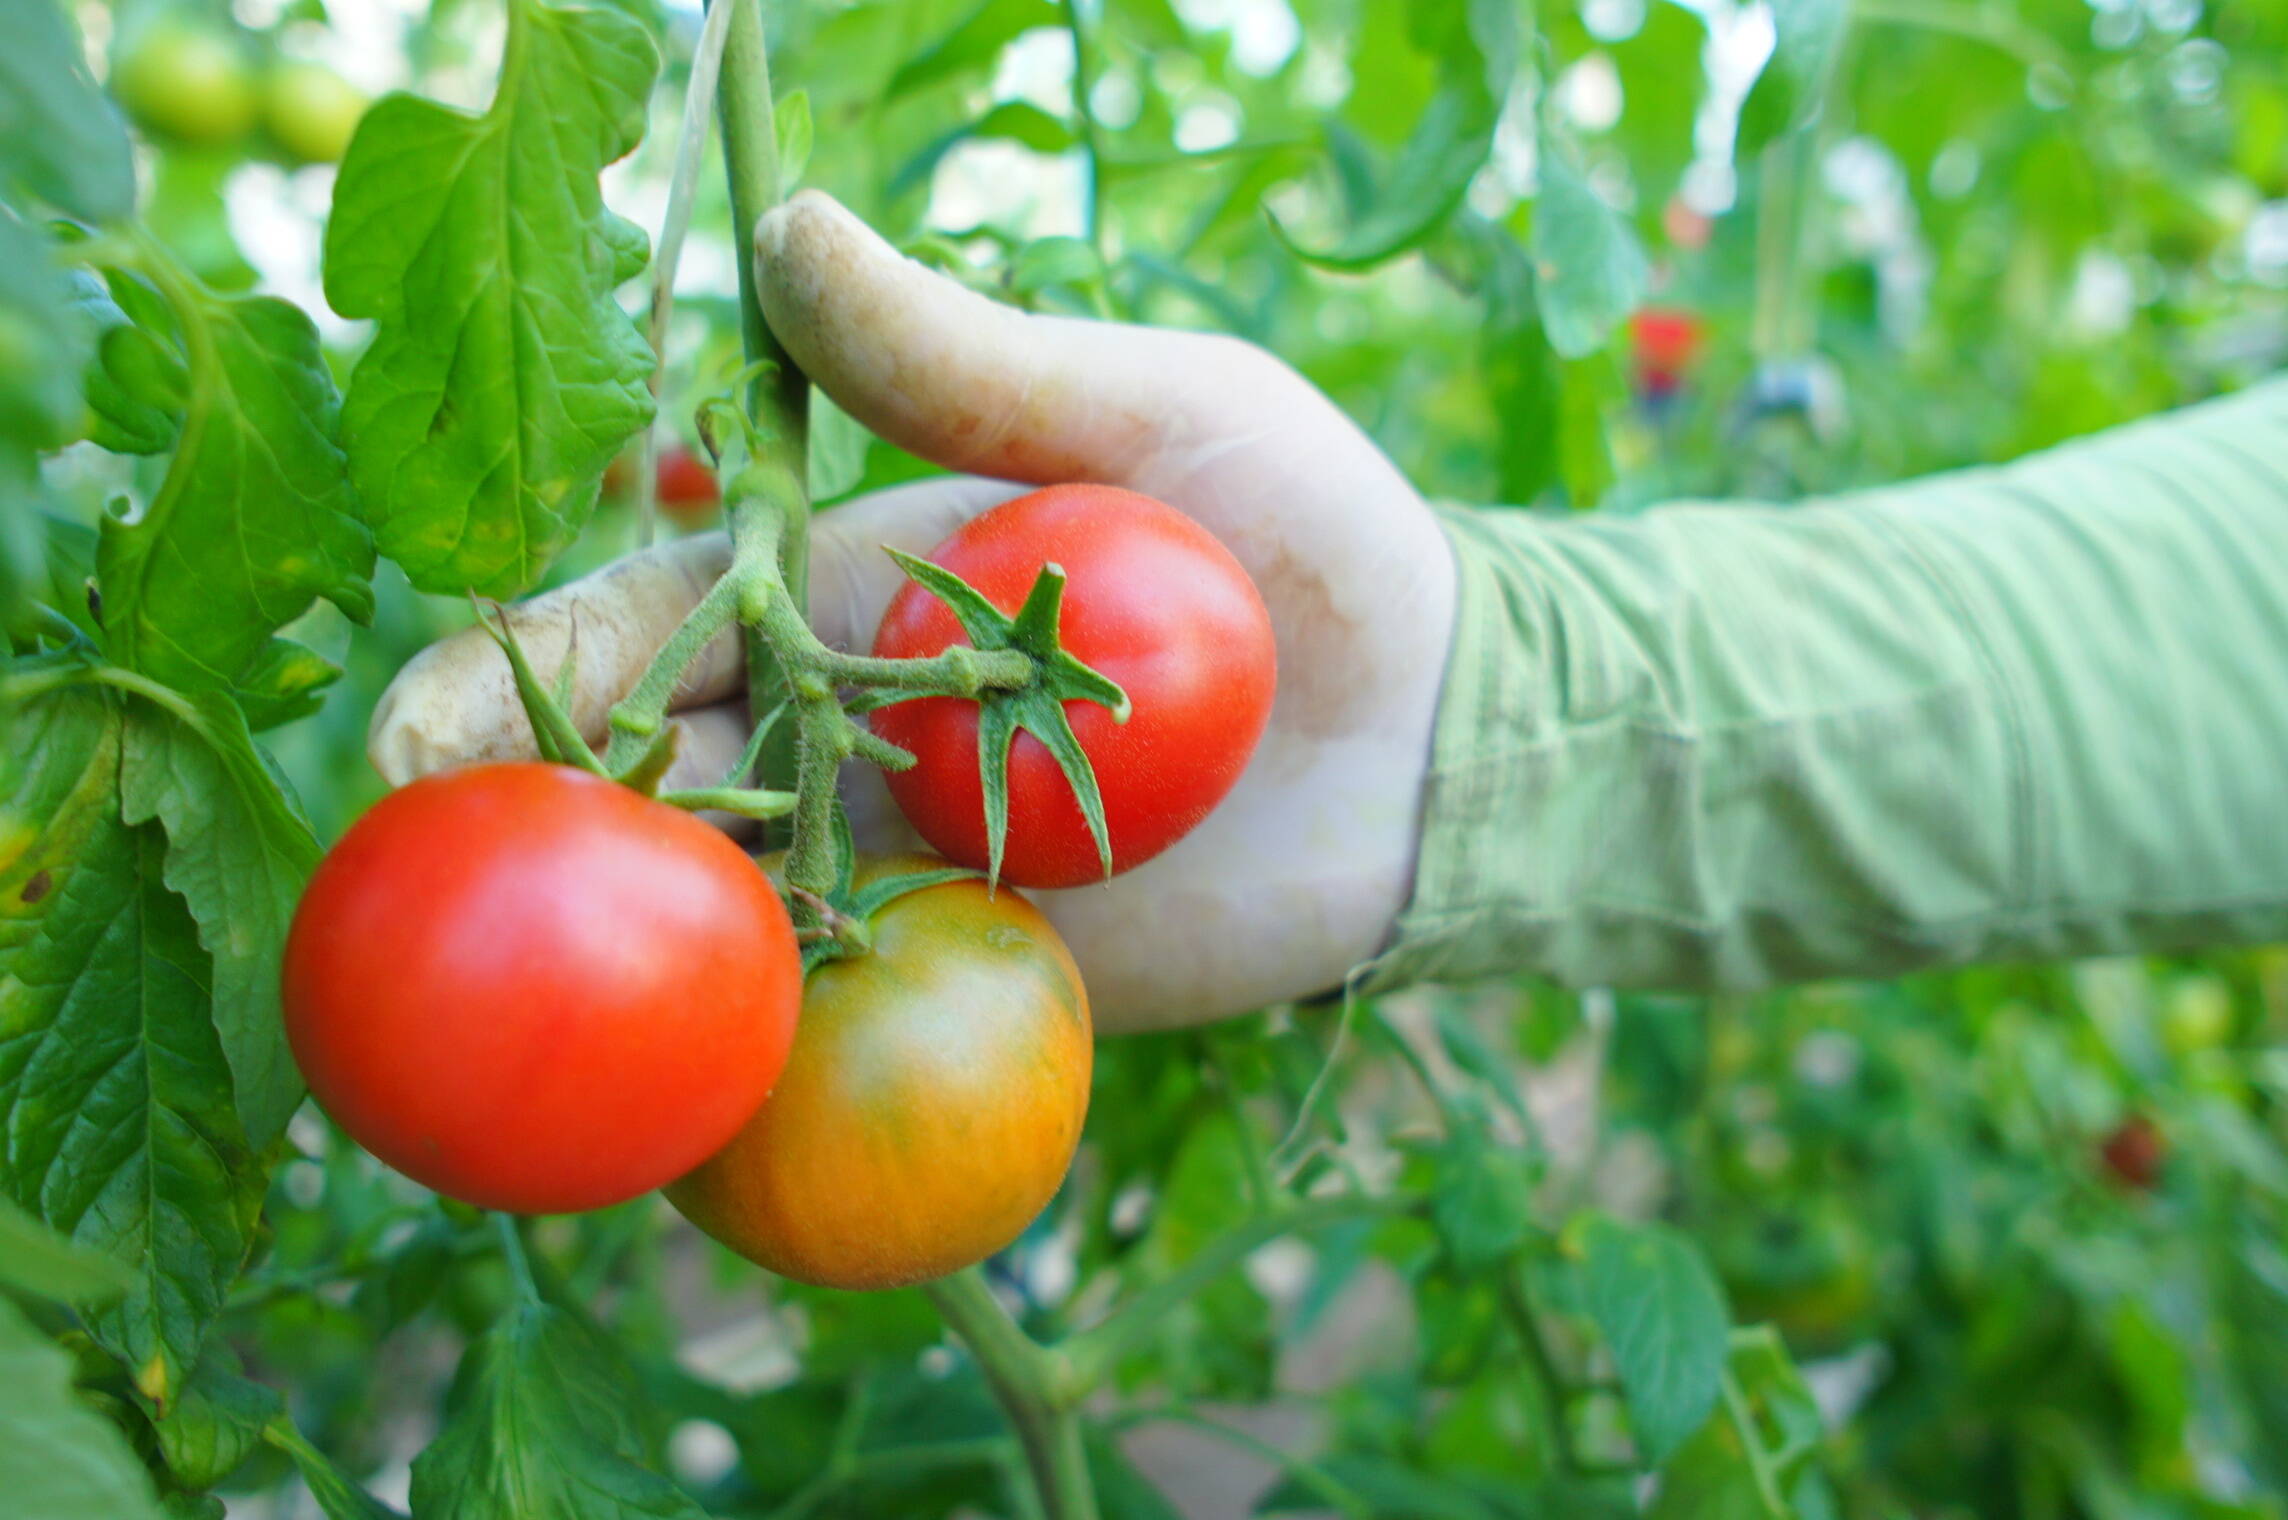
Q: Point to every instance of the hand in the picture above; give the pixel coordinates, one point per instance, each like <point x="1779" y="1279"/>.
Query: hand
<point x="1298" y="876"/>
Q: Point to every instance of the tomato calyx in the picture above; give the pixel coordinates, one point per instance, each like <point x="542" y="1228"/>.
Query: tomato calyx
<point x="837" y="924"/>
<point x="1037" y="708"/>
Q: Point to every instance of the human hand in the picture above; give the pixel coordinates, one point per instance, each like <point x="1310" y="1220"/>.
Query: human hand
<point x="1299" y="874"/>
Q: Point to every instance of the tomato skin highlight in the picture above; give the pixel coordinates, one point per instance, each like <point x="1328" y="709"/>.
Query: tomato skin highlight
<point x="932" y="1104"/>
<point x="536" y="990"/>
<point x="1152" y="601"/>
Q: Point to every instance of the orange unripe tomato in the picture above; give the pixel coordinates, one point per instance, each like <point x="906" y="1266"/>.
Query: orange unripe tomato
<point x="930" y="1108"/>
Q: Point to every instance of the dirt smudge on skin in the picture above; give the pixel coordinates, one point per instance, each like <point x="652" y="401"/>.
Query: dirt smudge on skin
<point x="1316" y="693"/>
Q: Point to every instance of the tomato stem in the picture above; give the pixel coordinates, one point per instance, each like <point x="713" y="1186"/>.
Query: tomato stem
<point x="1034" y="1385"/>
<point x="519" y="1264"/>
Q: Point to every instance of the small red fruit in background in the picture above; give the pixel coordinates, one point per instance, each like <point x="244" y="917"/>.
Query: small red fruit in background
<point x="2134" y="1152"/>
<point x="1663" y="342"/>
<point x="688" y="491"/>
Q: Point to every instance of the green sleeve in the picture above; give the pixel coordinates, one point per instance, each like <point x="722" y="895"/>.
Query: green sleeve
<point x="2034" y="711"/>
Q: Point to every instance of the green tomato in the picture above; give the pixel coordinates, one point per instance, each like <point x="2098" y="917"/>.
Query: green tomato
<point x="311" y="111"/>
<point x="186" y="81"/>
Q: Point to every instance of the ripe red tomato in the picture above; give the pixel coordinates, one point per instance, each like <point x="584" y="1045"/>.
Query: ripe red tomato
<point x="1153" y="602"/>
<point x="930" y="1108"/>
<point x="688" y="491"/>
<point x="533" y="989"/>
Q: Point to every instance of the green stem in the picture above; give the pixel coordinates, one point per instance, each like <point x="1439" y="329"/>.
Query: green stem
<point x="519" y="1264"/>
<point x="1768" y="1495"/>
<point x="637" y="716"/>
<point x="779" y="398"/>
<point x="1034" y="1385"/>
<point x="1094" y="1352"/>
<point x="1092" y="136"/>
<point x="1555" y="1389"/>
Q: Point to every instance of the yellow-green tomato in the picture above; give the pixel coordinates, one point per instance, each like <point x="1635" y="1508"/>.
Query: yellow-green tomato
<point x="187" y="81"/>
<point x="311" y="111"/>
<point x="930" y="1107"/>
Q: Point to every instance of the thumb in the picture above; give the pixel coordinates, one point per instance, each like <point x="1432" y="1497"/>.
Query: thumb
<point x="852" y="579"/>
<point x="947" y="374"/>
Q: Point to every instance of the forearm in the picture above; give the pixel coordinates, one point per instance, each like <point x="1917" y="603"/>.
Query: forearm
<point x="2029" y="712"/>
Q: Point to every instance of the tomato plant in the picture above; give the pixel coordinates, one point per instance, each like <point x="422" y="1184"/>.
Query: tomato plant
<point x="1855" y="1250"/>
<point x="931" y="1105"/>
<point x="1155" y="604"/>
<point x="688" y="491"/>
<point x="533" y="990"/>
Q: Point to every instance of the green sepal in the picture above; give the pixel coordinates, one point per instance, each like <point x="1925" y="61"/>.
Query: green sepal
<point x="553" y="732"/>
<point x="1036" y="708"/>
<point x="650" y="768"/>
<point x="860" y="906"/>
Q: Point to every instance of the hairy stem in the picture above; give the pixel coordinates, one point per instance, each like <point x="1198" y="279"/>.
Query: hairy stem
<point x="1034" y="1387"/>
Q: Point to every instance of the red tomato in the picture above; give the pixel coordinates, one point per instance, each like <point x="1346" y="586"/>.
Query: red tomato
<point x="1153" y="602"/>
<point x="533" y="989"/>
<point x="1665" y="341"/>
<point x="688" y="491"/>
<point x="931" y="1107"/>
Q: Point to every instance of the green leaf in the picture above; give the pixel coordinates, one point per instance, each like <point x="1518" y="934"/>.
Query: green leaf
<point x="1055" y="261"/>
<point x="1018" y="121"/>
<point x="503" y="375"/>
<point x="838" y="444"/>
<point x="546" y="1426"/>
<point x="1483" y="1206"/>
<point x="42" y="348"/>
<point x="1589" y="269"/>
<point x="238" y="852"/>
<point x="35" y="1259"/>
<point x="114" y="1090"/>
<point x="1710" y="1477"/>
<point x="792" y="125"/>
<point x="216" y="1423"/>
<point x="1786" y="96"/>
<point x="1424" y="185"/>
<point x="1652" y="1296"/>
<point x="254" y="520"/>
<point x="59" y="1460"/>
<point x="138" y="387"/>
<point x="972" y="45"/>
<point x="59" y="138"/>
<point x="339" y="1496"/>
<point x="1379" y="1487"/>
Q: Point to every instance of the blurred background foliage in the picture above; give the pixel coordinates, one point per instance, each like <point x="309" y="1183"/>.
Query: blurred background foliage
<point x="2024" y="1231"/>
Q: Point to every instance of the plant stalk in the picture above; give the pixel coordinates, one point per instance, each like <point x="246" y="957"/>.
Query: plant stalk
<point x="1034" y="1386"/>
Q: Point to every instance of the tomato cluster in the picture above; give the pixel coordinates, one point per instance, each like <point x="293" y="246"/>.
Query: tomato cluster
<point x="187" y="79"/>
<point x="537" y="990"/>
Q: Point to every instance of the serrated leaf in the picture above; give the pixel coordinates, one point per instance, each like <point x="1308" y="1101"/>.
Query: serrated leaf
<point x="59" y="1460"/>
<point x="114" y="1090"/>
<point x="35" y="1259"/>
<point x="215" y="1423"/>
<point x="546" y="1426"/>
<point x="1709" y="1477"/>
<point x="1588" y="267"/>
<point x="339" y="1496"/>
<point x="1652" y="1296"/>
<point x="238" y="852"/>
<point x="503" y="375"/>
<point x="254" y="520"/>
<point x="1786" y="96"/>
<point x="59" y="137"/>
<point x="137" y="385"/>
